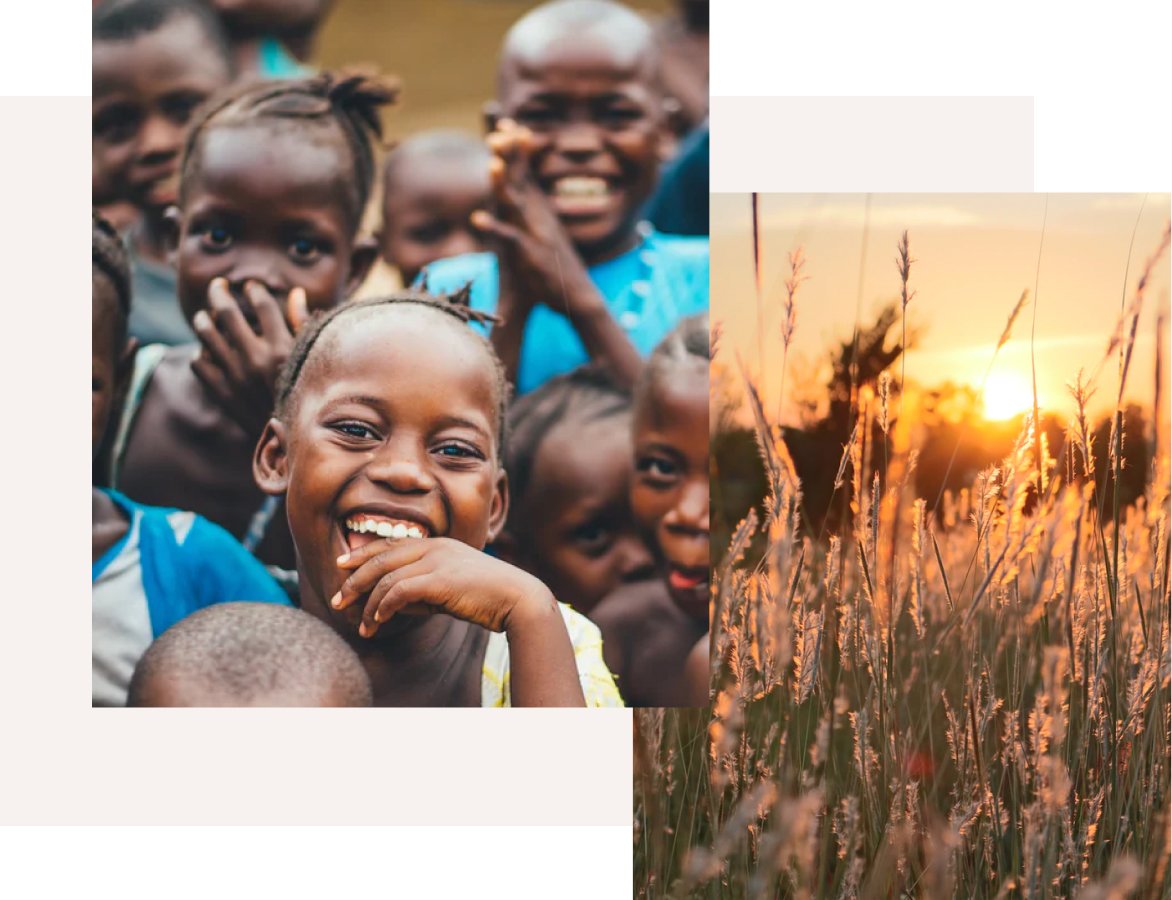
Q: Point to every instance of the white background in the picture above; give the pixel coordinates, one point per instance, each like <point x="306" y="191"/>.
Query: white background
<point x="1097" y="75"/>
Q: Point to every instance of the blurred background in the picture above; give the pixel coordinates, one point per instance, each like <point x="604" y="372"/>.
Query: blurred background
<point x="444" y="51"/>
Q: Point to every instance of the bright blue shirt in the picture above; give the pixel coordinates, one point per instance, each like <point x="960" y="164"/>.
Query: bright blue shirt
<point x="647" y="289"/>
<point x="168" y="565"/>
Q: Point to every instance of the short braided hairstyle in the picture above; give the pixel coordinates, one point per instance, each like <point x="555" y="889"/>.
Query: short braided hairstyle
<point x="456" y="305"/>
<point x="585" y="394"/>
<point x="348" y="101"/>
<point x="112" y="261"/>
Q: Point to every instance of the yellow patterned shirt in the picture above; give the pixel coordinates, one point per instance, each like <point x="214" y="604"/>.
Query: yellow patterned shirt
<point x="597" y="682"/>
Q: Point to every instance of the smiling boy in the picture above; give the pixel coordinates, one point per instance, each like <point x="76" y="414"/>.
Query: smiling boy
<point x="580" y="131"/>
<point x="154" y="63"/>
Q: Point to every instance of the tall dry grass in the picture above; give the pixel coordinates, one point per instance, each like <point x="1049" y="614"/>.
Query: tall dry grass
<point x="968" y="704"/>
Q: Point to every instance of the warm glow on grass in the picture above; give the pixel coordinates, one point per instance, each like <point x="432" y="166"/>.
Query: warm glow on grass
<point x="1007" y="394"/>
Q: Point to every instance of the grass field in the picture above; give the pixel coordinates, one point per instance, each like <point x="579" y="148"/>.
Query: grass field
<point x="963" y="696"/>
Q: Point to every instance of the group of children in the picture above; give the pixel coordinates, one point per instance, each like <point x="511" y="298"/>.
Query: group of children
<point x="487" y="486"/>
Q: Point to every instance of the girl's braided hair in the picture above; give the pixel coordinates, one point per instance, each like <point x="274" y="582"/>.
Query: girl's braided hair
<point x="110" y="258"/>
<point x="456" y="305"/>
<point x="350" y="100"/>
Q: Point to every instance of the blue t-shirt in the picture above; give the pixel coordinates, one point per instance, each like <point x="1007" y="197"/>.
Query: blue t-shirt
<point x="168" y="565"/>
<point x="648" y="290"/>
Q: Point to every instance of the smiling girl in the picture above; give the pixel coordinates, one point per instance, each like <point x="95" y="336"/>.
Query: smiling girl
<point x="275" y="179"/>
<point x="656" y="634"/>
<point x="386" y="446"/>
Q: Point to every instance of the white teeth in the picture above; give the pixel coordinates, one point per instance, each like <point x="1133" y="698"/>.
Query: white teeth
<point x="384" y="529"/>
<point x="580" y="186"/>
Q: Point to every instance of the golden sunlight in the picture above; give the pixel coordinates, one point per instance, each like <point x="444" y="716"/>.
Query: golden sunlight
<point x="1007" y="394"/>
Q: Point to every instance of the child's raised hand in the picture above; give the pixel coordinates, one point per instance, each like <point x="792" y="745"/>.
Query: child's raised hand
<point x="540" y="264"/>
<point x="538" y="260"/>
<point x="424" y="575"/>
<point x="239" y="362"/>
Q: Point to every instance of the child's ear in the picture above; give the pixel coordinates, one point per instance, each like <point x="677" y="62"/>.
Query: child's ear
<point x="172" y="220"/>
<point x="492" y="114"/>
<point x="498" y="513"/>
<point x="270" y="460"/>
<point x="362" y="257"/>
<point x="672" y="124"/>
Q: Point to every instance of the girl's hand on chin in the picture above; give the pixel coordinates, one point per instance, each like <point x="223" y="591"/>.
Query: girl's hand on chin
<point x="436" y="575"/>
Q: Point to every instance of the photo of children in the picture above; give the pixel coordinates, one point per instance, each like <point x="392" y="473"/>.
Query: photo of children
<point x="403" y="351"/>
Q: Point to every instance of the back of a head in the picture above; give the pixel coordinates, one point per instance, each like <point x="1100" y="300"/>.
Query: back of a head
<point x="126" y="20"/>
<point x="583" y="395"/>
<point x="250" y="654"/>
<point x="446" y="144"/>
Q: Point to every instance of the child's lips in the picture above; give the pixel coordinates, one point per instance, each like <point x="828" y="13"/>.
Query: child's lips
<point x="687" y="579"/>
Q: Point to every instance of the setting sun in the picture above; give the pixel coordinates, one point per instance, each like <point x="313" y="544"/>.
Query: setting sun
<point x="1006" y="395"/>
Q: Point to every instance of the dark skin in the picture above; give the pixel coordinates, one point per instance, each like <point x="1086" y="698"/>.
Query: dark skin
<point x="295" y="22"/>
<point x="265" y="235"/>
<point x="579" y="131"/>
<point x="112" y="361"/>
<point x="649" y="636"/>
<point x="573" y="528"/>
<point x="395" y="419"/>
<point x="646" y="641"/>
<point x="670" y="490"/>
<point x="427" y="205"/>
<point x="145" y="92"/>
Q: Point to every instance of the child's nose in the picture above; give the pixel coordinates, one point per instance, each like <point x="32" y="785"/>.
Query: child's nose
<point x="691" y="512"/>
<point x="158" y="138"/>
<point x="635" y="560"/>
<point x="579" y="139"/>
<point x="401" y="468"/>
<point x="260" y="267"/>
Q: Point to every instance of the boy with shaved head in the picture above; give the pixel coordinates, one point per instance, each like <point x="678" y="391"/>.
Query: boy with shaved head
<point x="580" y="128"/>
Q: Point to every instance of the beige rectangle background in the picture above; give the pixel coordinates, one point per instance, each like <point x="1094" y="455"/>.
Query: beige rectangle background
<point x="62" y="762"/>
<point x="872" y="144"/>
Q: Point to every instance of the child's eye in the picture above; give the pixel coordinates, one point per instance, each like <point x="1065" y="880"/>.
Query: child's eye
<point x="179" y="107"/>
<point x="355" y="430"/>
<point x="593" y="539"/>
<point x="428" y="233"/>
<point x="305" y="250"/>
<point x="215" y="238"/>
<point x="537" y="116"/>
<point x="620" y="116"/>
<point x="454" y="450"/>
<point x="116" y="124"/>
<point x="657" y="470"/>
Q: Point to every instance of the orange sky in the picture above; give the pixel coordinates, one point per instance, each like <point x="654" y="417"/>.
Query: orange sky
<point x="974" y="254"/>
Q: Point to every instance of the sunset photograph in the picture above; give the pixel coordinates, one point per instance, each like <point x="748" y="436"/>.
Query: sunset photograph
<point x="940" y="488"/>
